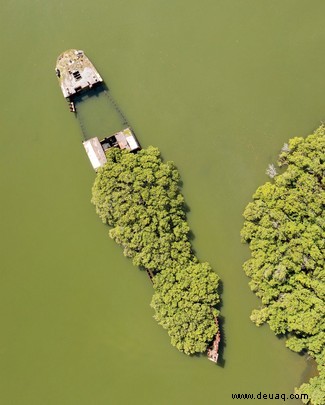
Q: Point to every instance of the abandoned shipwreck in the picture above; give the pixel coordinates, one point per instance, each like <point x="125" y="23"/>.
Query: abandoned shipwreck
<point x="77" y="75"/>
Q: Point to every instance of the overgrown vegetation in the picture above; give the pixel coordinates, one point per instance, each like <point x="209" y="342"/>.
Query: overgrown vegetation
<point x="138" y="196"/>
<point x="285" y="229"/>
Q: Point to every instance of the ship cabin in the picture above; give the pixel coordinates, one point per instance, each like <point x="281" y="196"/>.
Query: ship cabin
<point x="123" y="139"/>
<point x="96" y="149"/>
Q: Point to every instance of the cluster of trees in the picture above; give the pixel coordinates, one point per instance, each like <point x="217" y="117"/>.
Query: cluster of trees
<point x="138" y="196"/>
<point x="285" y="229"/>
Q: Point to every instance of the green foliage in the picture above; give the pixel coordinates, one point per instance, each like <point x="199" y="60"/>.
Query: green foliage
<point x="182" y="301"/>
<point x="138" y="196"/>
<point x="285" y="228"/>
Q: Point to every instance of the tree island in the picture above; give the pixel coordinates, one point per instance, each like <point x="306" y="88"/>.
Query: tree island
<point x="138" y="196"/>
<point x="285" y="229"/>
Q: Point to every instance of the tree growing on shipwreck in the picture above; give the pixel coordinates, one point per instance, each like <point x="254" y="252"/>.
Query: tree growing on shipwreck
<point x="138" y="196"/>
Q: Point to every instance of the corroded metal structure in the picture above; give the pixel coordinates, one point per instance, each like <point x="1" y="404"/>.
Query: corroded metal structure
<point x="213" y="350"/>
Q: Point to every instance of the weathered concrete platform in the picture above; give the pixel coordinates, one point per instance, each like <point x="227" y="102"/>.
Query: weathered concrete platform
<point x="75" y="72"/>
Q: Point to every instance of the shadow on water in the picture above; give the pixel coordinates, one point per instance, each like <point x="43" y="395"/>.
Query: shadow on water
<point x="310" y="370"/>
<point x="95" y="91"/>
<point x="221" y="322"/>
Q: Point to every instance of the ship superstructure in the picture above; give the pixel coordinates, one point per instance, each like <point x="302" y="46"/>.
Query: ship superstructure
<point x="75" y="73"/>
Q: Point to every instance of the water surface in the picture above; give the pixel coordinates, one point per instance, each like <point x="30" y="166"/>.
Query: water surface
<point x="219" y="87"/>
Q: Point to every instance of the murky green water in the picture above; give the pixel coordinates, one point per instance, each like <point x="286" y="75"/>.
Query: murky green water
<point x="218" y="86"/>
<point x="98" y="113"/>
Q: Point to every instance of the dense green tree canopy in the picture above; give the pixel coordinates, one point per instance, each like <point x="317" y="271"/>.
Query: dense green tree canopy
<point x="285" y="229"/>
<point x="183" y="300"/>
<point x="138" y="196"/>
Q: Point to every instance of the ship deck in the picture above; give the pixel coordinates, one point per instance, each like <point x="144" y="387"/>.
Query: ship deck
<point x="75" y="72"/>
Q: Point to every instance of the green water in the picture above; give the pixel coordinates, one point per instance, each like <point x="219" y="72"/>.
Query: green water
<point x="218" y="86"/>
<point x="98" y="114"/>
